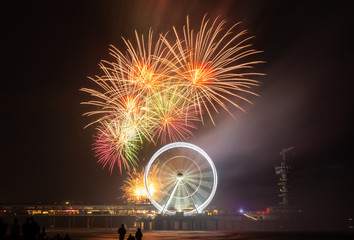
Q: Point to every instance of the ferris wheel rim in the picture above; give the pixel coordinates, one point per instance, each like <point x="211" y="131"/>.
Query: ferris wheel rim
<point x="198" y="209"/>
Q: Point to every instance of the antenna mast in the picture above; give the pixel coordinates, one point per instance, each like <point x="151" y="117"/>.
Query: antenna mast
<point x="283" y="170"/>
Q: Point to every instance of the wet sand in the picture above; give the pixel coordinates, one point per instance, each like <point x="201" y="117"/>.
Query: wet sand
<point x="219" y="235"/>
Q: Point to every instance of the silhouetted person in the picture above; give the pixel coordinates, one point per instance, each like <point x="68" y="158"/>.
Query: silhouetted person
<point x="34" y="229"/>
<point x="58" y="237"/>
<point x="43" y="234"/>
<point x="3" y="229"/>
<point x="67" y="237"/>
<point x="122" y="232"/>
<point x="15" y="230"/>
<point x="26" y="230"/>
<point x="138" y="234"/>
<point x="130" y="237"/>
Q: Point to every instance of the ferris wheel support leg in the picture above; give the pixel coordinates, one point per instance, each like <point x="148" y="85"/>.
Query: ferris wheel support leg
<point x="169" y="199"/>
<point x="195" y="206"/>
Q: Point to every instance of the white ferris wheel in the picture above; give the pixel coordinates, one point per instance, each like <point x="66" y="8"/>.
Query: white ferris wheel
<point x="180" y="177"/>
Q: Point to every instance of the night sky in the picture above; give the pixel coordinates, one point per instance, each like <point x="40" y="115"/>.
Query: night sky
<point x="51" y="47"/>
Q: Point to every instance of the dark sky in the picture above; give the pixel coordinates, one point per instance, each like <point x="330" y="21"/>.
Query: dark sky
<point x="305" y="100"/>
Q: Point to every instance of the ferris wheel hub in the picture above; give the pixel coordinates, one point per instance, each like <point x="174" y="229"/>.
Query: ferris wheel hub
<point x="180" y="176"/>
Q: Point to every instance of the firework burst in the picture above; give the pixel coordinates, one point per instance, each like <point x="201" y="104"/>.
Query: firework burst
<point x="133" y="187"/>
<point x="117" y="142"/>
<point x="174" y="115"/>
<point x="132" y="77"/>
<point x="209" y="64"/>
<point x="159" y="91"/>
<point x="143" y="68"/>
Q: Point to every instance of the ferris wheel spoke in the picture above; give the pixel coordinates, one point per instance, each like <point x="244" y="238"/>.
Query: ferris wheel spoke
<point x="197" y="200"/>
<point x="191" y="168"/>
<point x="165" y="178"/>
<point x="169" y="188"/>
<point x="201" y="197"/>
<point x="169" y="169"/>
<point x="195" y="207"/>
<point x="194" y="175"/>
<point x="192" y="185"/>
<point x="205" y="167"/>
<point x="208" y="179"/>
<point x="203" y="192"/>
<point x="168" y="184"/>
<point x="168" y="177"/>
<point x="173" y="192"/>
<point x="184" y="161"/>
<point x="206" y="186"/>
<point x="192" y="172"/>
<point x="178" y="192"/>
<point x="203" y="164"/>
<point x="195" y="181"/>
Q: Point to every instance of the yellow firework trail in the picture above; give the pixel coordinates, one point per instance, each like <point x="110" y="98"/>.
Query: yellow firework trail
<point x="134" y="189"/>
<point x="173" y="114"/>
<point x="135" y="75"/>
<point x="158" y="89"/>
<point x="211" y="64"/>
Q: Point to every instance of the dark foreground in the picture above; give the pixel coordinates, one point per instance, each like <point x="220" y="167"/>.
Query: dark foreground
<point x="184" y="235"/>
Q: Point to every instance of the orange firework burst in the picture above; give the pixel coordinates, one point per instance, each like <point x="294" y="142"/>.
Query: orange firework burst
<point x="158" y="91"/>
<point x="209" y="64"/>
<point x="143" y="69"/>
<point x="134" y="189"/>
<point x="117" y="142"/>
<point x="173" y="115"/>
<point x="134" y="75"/>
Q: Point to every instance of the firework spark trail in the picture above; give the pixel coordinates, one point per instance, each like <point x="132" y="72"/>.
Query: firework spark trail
<point x="143" y="69"/>
<point x="121" y="100"/>
<point x="136" y="73"/>
<point x="134" y="188"/>
<point x="208" y="64"/>
<point x="160" y="91"/>
<point x="117" y="142"/>
<point x="173" y="113"/>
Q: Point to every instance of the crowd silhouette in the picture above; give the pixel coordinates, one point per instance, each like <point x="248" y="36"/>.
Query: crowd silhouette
<point x="15" y="230"/>
<point x="31" y="230"/>
<point x="122" y="231"/>
<point x="138" y="234"/>
<point x="3" y="229"/>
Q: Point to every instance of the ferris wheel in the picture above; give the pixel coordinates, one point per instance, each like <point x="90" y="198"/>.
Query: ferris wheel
<point x="180" y="177"/>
